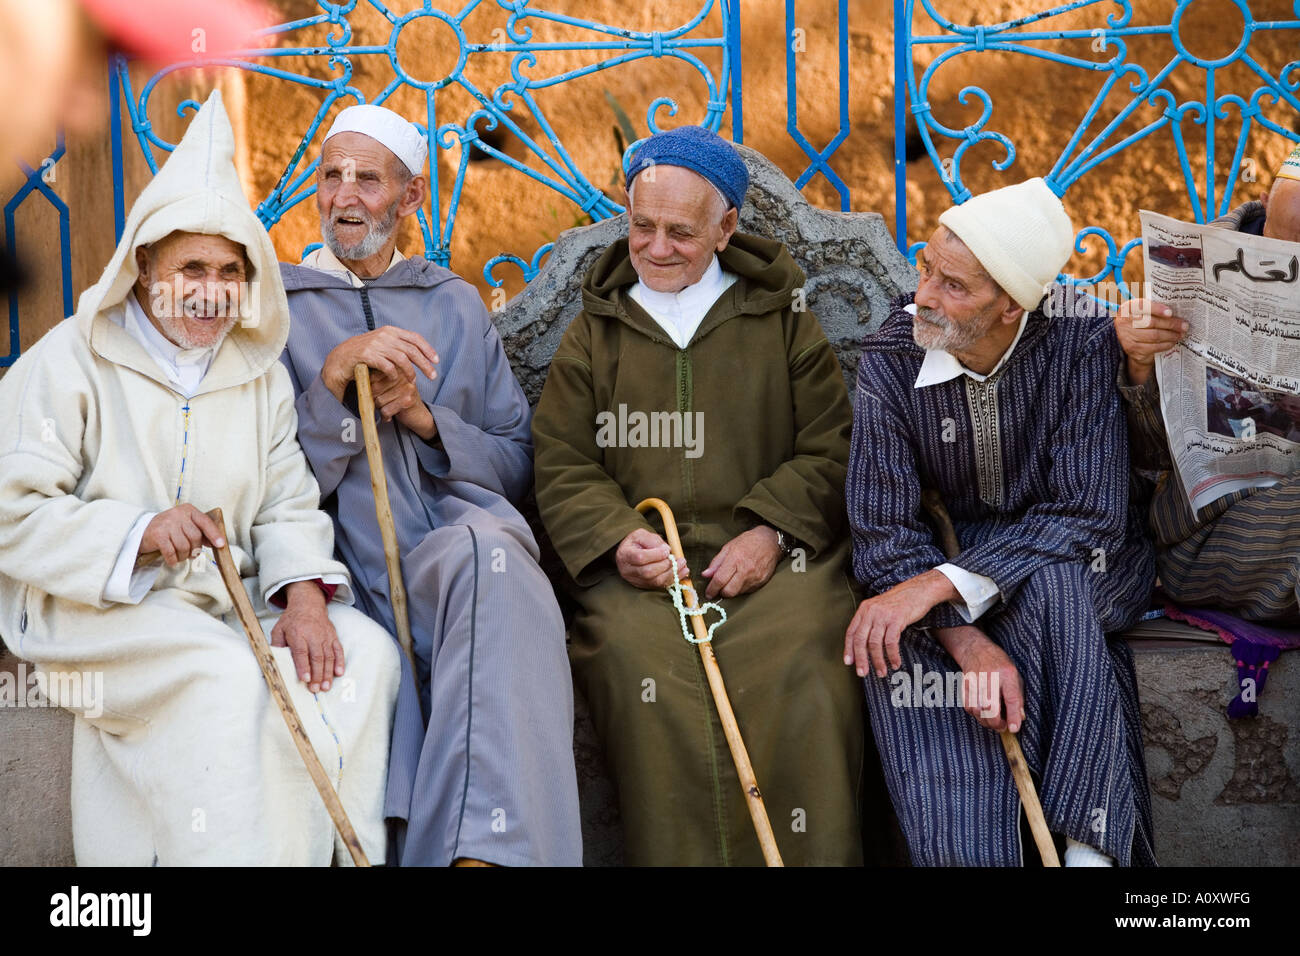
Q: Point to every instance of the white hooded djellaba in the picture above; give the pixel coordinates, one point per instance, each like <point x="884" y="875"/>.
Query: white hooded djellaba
<point x="190" y="761"/>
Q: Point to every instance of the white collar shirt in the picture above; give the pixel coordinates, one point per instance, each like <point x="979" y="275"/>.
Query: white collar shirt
<point x="942" y="366"/>
<point x="184" y="368"/>
<point x="325" y="261"/>
<point x="680" y="313"/>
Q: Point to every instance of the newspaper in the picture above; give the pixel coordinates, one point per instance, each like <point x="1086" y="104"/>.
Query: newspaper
<point x="1230" y="391"/>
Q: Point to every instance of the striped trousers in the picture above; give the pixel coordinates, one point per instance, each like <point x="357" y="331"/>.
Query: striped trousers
<point x="948" y="777"/>
<point x="1247" y="560"/>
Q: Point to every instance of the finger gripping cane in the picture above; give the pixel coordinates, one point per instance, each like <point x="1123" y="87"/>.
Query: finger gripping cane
<point x="943" y="526"/>
<point x="739" y="755"/>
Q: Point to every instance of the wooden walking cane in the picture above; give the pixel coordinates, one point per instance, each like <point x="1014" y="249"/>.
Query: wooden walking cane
<point x="739" y="755"/>
<point x="384" y="515"/>
<point x="943" y="525"/>
<point x="280" y="693"/>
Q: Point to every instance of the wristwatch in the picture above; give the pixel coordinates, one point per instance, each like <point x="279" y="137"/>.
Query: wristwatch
<point x="783" y="541"/>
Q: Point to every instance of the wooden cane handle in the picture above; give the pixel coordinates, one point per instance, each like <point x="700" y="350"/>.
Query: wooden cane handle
<point x="384" y="515"/>
<point x="149" y="557"/>
<point x="942" y="522"/>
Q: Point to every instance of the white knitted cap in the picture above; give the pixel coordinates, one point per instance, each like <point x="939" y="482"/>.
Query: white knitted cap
<point x="1020" y="234"/>
<point x="388" y="129"/>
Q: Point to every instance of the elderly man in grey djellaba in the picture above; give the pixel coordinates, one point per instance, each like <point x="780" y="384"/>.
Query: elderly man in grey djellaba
<point x="482" y="764"/>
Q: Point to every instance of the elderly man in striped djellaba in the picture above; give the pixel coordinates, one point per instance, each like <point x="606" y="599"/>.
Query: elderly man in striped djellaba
<point x="994" y="387"/>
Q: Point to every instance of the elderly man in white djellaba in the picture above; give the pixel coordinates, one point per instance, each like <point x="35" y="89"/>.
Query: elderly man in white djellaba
<point x="163" y="398"/>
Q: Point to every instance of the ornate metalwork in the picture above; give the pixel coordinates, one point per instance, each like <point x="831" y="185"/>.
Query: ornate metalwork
<point x="1126" y="87"/>
<point x="554" y="166"/>
<point x="819" y="157"/>
<point x="39" y="181"/>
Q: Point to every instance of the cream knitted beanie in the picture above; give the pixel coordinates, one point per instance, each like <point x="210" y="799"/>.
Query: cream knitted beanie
<point x="1290" y="166"/>
<point x="1020" y="234"/>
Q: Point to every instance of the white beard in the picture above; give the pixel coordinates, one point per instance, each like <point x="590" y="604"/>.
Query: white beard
<point x="174" y="328"/>
<point x="170" y="308"/>
<point x="377" y="233"/>
<point x="945" y="334"/>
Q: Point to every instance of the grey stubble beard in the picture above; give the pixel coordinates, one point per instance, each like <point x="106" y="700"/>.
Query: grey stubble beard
<point x="945" y="335"/>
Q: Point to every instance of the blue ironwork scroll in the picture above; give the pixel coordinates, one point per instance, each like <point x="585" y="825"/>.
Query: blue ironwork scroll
<point x="552" y="164"/>
<point x="1127" y="86"/>
<point x="819" y="157"/>
<point x="1128" y="93"/>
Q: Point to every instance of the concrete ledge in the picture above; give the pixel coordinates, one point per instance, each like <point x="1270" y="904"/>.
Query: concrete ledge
<point x="1224" y="792"/>
<point x="35" y="781"/>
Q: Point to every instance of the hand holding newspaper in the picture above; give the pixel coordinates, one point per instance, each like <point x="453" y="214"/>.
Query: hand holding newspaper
<point x="1230" y="391"/>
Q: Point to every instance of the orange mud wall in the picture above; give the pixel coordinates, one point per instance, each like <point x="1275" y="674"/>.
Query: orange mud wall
<point x="1036" y="103"/>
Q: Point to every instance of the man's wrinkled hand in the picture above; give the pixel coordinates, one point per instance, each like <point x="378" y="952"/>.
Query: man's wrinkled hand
<point x="879" y="623"/>
<point x="744" y="564"/>
<point x="645" y="561"/>
<point x="305" y="628"/>
<point x="986" y="666"/>
<point x="178" y="534"/>
<point x="1146" y="328"/>
<point x="392" y="352"/>
<point x="399" y="399"/>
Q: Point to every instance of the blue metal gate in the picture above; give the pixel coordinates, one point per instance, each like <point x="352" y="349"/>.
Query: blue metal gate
<point x="717" y="25"/>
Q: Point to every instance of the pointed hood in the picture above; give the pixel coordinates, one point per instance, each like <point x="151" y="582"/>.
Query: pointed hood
<point x="197" y="190"/>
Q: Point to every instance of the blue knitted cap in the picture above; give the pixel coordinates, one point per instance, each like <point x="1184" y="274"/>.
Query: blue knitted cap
<point x="700" y="151"/>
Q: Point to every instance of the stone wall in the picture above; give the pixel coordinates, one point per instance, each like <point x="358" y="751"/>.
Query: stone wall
<point x="1223" y="791"/>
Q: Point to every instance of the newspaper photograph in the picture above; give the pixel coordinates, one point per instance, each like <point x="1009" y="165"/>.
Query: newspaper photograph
<point x="1230" y="391"/>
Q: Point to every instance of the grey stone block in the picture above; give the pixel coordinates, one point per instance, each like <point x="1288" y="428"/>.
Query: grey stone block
<point x="35" y="781"/>
<point x="1224" y="792"/>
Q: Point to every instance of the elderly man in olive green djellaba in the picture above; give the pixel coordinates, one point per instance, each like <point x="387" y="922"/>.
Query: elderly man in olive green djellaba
<point x="691" y="375"/>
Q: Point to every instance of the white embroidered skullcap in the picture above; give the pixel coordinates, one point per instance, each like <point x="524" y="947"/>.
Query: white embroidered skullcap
<point x="1020" y="234"/>
<point x="389" y="129"/>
